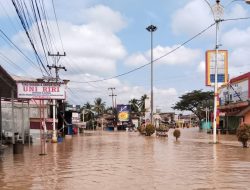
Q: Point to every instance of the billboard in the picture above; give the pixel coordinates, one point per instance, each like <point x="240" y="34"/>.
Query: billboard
<point x="123" y="112"/>
<point x="41" y="90"/>
<point x="222" y="67"/>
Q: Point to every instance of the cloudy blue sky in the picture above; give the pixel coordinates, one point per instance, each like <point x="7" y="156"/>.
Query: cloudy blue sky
<point x="105" y="38"/>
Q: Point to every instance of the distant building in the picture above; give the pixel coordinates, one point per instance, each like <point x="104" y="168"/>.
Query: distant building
<point x="234" y="103"/>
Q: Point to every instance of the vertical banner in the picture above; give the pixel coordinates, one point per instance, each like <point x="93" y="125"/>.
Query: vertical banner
<point x="222" y="67"/>
<point x="123" y="112"/>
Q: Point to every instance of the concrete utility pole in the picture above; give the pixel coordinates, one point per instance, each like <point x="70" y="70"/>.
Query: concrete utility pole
<point x="112" y="95"/>
<point x="57" y="68"/>
<point x="152" y="29"/>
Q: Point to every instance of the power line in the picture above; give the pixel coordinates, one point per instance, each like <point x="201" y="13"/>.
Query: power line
<point x="157" y="59"/>
<point x="23" y="20"/>
<point x="10" y="61"/>
<point x="19" y="50"/>
<point x="57" y="23"/>
<point x="232" y="19"/>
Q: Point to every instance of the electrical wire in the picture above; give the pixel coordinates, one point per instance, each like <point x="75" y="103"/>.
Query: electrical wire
<point x="7" y="39"/>
<point x="53" y="4"/>
<point x="22" y="17"/>
<point x="233" y="19"/>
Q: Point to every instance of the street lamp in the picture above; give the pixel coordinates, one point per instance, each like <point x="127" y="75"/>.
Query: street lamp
<point x="151" y="29"/>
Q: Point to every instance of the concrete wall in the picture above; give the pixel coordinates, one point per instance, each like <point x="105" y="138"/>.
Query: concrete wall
<point x="21" y="117"/>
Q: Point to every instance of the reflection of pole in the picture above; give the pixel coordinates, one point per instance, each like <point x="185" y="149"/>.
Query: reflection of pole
<point x="151" y="29"/>
<point x="29" y="119"/>
<point x="22" y="123"/>
<point x="12" y="113"/>
<point x="54" y="135"/>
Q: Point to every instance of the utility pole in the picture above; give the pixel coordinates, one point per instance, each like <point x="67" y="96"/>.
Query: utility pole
<point x="56" y="57"/>
<point x="57" y="68"/>
<point x="112" y="95"/>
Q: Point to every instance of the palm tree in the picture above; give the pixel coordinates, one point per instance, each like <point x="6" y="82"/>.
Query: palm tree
<point x="99" y="106"/>
<point x="88" y="113"/>
<point x="134" y="105"/>
<point x="142" y="103"/>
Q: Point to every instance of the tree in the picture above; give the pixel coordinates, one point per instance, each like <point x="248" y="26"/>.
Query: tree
<point x="196" y="102"/>
<point x="134" y="105"/>
<point x="142" y="104"/>
<point x="99" y="106"/>
<point x="88" y="114"/>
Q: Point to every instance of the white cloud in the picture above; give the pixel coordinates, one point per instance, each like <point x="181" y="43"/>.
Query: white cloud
<point x="105" y="18"/>
<point x="165" y="98"/>
<point x="236" y="38"/>
<point x="136" y="59"/>
<point x="237" y="11"/>
<point x="201" y="67"/>
<point x="192" y="18"/>
<point x="89" y="47"/>
<point x="182" y="56"/>
<point x="6" y="9"/>
<point x="237" y="41"/>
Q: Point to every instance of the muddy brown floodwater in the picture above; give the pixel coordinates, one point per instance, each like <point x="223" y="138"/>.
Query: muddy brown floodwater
<point x="129" y="161"/>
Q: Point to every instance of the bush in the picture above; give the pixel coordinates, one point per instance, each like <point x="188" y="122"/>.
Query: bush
<point x="243" y="134"/>
<point x="141" y="129"/>
<point x="149" y="130"/>
<point x="162" y="128"/>
<point x="177" y="134"/>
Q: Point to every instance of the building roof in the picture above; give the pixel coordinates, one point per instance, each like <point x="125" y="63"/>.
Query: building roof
<point x="241" y="77"/>
<point x="23" y="79"/>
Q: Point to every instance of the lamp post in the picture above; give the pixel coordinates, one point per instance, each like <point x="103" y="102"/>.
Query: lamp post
<point x="151" y="29"/>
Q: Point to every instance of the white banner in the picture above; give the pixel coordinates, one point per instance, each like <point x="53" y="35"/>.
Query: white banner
<point x="38" y="90"/>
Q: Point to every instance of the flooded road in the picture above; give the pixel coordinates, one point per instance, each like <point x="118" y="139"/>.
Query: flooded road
<point x="120" y="160"/>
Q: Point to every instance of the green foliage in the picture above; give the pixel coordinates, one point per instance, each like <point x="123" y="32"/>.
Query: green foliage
<point x="177" y="134"/>
<point x="99" y="106"/>
<point x="134" y="105"/>
<point x="196" y="102"/>
<point x="138" y="106"/>
<point x="149" y="130"/>
<point x="243" y="134"/>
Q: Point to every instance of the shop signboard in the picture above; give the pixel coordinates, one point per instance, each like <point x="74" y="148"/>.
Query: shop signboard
<point x="41" y="90"/>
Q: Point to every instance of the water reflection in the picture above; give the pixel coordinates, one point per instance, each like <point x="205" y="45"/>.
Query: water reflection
<point x="120" y="160"/>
